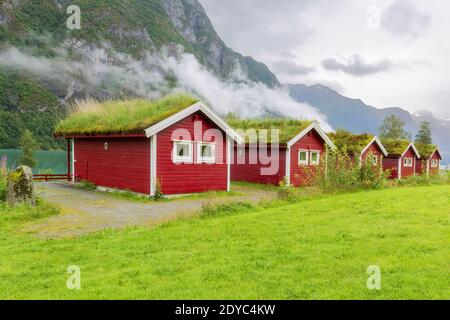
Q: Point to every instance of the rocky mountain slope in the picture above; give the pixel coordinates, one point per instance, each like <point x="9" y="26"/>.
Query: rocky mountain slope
<point x="125" y="30"/>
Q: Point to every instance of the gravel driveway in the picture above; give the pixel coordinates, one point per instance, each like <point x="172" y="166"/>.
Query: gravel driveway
<point x="89" y="211"/>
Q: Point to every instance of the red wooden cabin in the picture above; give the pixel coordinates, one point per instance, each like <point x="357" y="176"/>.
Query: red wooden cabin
<point x="430" y="158"/>
<point x="185" y="152"/>
<point x="402" y="159"/>
<point x="301" y="148"/>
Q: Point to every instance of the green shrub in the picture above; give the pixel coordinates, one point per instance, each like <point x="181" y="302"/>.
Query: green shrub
<point x="286" y="192"/>
<point x="422" y="180"/>
<point x="159" y="195"/>
<point x="210" y="210"/>
<point x="86" y="185"/>
<point x="2" y="189"/>
<point x="342" y="173"/>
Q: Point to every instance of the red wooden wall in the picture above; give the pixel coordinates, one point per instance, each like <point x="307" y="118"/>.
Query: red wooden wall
<point x="301" y="175"/>
<point x="408" y="171"/>
<point x="251" y="172"/>
<point x="125" y="165"/>
<point x="190" y="178"/>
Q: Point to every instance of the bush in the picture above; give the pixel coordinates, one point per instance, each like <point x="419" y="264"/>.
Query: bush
<point x="2" y="189"/>
<point x="86" y="185"/>
<point x="342" y="173"/>
<point x="286" y="192"/>
<point x="422" y="180"/>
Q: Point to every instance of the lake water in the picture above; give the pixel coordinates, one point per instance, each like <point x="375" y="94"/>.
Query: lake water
<point x="54" y="161"/>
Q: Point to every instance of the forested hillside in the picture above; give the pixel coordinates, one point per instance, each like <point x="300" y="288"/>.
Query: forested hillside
<point x="121" y="28"/>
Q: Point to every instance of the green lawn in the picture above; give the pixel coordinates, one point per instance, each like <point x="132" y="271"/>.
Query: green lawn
<point x="319" y="248"/>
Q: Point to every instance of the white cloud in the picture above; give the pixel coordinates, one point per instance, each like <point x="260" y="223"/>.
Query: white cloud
<point x="308" y="32"/>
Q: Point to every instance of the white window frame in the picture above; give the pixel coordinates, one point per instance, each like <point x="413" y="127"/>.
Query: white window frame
<point x="314" y="163"/>
<point x="434" y="163"/>
<point x="184" y="159"/>
<point x="303" y="162"/>
<point x="407" y="165"/>
<point x="200" y="158"/>
<point x="374" y="160"/>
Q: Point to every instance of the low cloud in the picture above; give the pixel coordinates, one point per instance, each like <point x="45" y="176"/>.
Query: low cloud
<point x="291" y="68"/>
<point x="100" y="73"/>
<point x="357" y="66"/>
<point x="404" y="18"/>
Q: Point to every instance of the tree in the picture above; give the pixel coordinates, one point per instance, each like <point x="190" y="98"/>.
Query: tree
<point x="393" y="128"/>
<point x="424" y="134"/>
<point x="28" y="146"/>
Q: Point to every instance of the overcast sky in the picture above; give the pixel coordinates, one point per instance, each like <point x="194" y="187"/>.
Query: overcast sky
<point x="386" y="52"/>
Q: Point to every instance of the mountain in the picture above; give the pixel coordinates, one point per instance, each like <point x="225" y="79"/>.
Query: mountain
<point x="37" y="31"/>
<point x="356" y="116"/>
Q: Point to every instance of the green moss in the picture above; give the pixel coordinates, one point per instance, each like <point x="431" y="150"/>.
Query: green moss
<point x="426" y="150"/>
<point x="395" y="147"/>
<point x="352" y="143"/>
<point x="289" y="128"/>
<point x="121" y="116"/>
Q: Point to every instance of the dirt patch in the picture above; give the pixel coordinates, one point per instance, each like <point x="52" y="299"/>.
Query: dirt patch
<point x="88" y="211"/>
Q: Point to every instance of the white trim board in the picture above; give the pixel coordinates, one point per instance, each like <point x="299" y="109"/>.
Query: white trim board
<point x="153" y="162"/>
<point x="319" y="130"/>
<point x="199" y="106"/>
<point x="229" y="155"/>
<point x="288" y="166"/>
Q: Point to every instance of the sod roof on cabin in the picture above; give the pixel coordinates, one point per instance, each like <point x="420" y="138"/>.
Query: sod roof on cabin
<point x="426" y="150"/>
<point x="120" y="116"/>
<point x="289" y="128"/>
<point x="351" y="143"/>
<point x="395" y="147"/>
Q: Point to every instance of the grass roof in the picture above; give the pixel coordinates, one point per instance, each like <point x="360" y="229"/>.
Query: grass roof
<point x="352" y="143"/>
<point x="289" y="128"/>
<point x="120" y="116"/>
<point x="426" y="150"/>
<point x="395" y="147"/>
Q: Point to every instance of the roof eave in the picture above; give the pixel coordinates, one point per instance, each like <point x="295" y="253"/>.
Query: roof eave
<point x="319" y="130"/>
<point x="380" y="145"/>
<point x="199" y="106"/>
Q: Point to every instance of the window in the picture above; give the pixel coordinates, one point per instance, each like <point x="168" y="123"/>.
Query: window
<point x="206" y="153"/>
<point x="408" y="162"/>
<point x="315" y="157"/>
<point x="374" y="160"/>
<point x="182" y="152"/>
<point x="303" y="157"/>
<point x="434" y="163"/>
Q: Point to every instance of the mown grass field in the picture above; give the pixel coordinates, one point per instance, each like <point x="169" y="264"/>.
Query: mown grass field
<point x="319" y="248"/>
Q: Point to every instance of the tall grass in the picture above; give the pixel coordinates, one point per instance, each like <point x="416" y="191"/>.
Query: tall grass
<point x="120" y="116"/>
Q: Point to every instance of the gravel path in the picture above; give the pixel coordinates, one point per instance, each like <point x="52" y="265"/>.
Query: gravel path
<point x="88" y="211"/>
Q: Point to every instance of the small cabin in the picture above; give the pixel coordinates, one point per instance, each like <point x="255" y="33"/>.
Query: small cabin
<point x="360" y="147"/>
<point x="176" y="145"/>
<point x="402" y="158"/>
<point x="430" y="159"/>
<point x="277" y="150"/>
